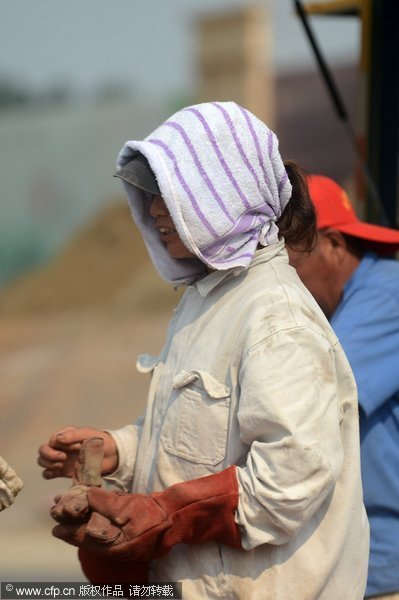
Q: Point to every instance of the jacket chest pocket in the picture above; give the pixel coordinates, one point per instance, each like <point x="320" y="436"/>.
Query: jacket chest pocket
<point x="196" y="422"/>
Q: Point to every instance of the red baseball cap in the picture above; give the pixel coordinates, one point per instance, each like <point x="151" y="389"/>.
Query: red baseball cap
<point x="335" y="210"/>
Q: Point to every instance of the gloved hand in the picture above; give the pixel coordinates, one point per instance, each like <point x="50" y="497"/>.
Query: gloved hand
<point x="71" y="506"/>
<point x="137" y="527"/>
<point x="10" y="484"/>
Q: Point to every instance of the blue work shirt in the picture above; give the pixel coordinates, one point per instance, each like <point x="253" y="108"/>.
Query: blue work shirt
<point x="367" y="324"/>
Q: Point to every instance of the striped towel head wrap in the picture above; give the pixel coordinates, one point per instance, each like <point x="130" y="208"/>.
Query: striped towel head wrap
<point x="223" y="180"/>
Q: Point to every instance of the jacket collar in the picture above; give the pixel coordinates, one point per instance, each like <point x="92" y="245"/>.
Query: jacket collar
<point x="208" y="283"/>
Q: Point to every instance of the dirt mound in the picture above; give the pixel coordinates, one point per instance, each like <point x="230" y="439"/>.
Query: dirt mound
<point x="105" y="267"/>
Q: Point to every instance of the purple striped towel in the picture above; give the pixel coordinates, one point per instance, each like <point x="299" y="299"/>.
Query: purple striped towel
<point x="223" y="180"/>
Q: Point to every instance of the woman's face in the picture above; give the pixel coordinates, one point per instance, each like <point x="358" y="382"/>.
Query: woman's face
<point x="167" y="230"/>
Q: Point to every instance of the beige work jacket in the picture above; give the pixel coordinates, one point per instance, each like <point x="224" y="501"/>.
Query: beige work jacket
<point x="252" y="374"/>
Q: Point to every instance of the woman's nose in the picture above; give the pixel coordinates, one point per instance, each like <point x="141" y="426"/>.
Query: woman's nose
<point x="158" y="207"/>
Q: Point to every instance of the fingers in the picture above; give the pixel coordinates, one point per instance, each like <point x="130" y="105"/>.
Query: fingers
<point x="4" y="466"/>
<point x="70" y="533"/>
<point x="9" y="477"/>
<point x="98" y="529"/>
<point x="58" y="457"/>
<point x="9" y="488"/>
<point x="49" y="456"/>
<point x="71" y="506"/>
<point x="102" y="538"/>
<point x="55" y="463"/>
<point x="102" y="530"/>
<point x="76" y="535"/>
<point x="70" y="438"/>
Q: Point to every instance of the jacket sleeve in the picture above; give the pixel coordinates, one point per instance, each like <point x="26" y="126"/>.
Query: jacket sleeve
<point x="127" y="440"/>
<point x="289" y="415"/>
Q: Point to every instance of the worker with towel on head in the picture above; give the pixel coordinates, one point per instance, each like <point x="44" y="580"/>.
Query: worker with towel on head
<point x="243" y="479"/>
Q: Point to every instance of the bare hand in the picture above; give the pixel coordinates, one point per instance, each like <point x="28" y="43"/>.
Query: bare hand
<point x="58" y="457"/>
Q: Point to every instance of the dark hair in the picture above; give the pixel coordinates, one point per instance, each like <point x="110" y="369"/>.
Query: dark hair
<point x="297" y="224"/>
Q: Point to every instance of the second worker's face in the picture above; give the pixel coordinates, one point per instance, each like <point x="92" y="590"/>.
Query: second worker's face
<point x="317" y="271"/>
<point x="167" y="230"/>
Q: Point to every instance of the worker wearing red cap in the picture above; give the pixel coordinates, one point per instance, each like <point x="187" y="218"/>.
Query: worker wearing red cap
<point x="357" y="286"/>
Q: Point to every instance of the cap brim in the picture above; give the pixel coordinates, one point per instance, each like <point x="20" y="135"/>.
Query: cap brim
<point x="384" y="238"/>
<point x="138" y="173"/>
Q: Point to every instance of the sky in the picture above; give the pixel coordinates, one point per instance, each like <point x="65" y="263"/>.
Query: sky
<point x="147" y="44"/>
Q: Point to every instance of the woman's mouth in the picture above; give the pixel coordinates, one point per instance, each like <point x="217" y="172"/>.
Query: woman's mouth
<point x="166" y="233"/>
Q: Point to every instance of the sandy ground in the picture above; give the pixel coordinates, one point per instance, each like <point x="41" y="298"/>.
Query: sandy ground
<point x="71" y="369"/>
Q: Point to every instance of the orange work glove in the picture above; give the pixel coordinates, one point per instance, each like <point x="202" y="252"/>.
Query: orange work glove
<point x="137" y="527"/>
<point x="73" y="507"/>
